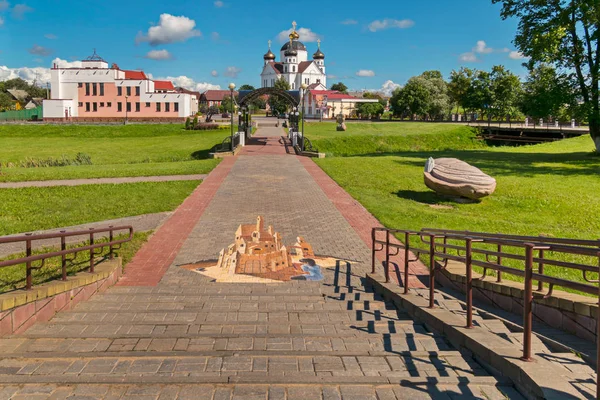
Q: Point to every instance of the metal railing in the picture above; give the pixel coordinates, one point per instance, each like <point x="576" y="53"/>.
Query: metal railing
<point x="504" y="254"/>
<point x="112" y="243"/>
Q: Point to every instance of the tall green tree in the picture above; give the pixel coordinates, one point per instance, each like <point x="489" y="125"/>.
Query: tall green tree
<point x="278" y="104"/>
<point x="547" y="94"/>
<point x="370" y="109"/>
<point x="506" y="91"/>
<point x="247" y="87"/>
<point x="566" y="34"/>
<point x="340" y="87"/>
<point x="479" y="96"/>
<point x="459" y="85"/>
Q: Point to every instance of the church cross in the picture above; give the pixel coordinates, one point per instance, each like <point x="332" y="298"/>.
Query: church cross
<point x="269" y="45"/>
<point x="294" y="24"/>
<point x="319" y="43"/>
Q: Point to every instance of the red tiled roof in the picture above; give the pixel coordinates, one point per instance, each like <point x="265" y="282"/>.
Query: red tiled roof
<point x="163" y="85"/>
<point x="137" y="75"/>
<point x="333" y="94"/>
<point x="278" y="67"/>
<point x="216" y="95"/>
<point x="303" y="65"/>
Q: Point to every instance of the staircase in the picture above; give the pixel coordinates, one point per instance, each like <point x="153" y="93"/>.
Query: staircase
<point x="296" y="340"/>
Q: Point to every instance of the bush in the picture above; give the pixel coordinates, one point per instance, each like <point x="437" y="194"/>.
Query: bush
<point x="195" y="123"/>
<point x="188" y="123"/>
<point x="206" y="127"/>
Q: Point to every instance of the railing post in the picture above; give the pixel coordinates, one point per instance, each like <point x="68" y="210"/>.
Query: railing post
<point x="598" y="339"/>
<point x="541" y="271"/>
<point x="469" y="283"/>
<point x="499" y="275"/>
<point x="91" y="251"/>
<point x="29" y="278"/>
<point x="432" y="271"/>
<point x="387" y="256"/>
<point x="406" y="260"/>
<point x="110" y="239"/>
<point x="63" y="247"/>
<point x="528" y="302"/>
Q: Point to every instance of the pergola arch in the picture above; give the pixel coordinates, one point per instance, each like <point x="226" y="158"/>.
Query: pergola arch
<point x="291" y="96"/>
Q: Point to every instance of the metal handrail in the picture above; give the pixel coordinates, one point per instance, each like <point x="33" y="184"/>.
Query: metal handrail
<point x="29" y="258"/>
<point x="465" y="243"/>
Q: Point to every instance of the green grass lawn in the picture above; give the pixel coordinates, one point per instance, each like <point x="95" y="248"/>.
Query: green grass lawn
<point x="13" y="277"/>
<point x="366" y="139"/>
<point x="29" y="209"/>
<point x="551" y="189"/>
<point x="115" y="151"/>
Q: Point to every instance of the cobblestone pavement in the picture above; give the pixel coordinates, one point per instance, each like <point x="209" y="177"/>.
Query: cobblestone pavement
<point x="186" y="337"/>
<point x="100" y="181"/>
<point x="140" y="223"/>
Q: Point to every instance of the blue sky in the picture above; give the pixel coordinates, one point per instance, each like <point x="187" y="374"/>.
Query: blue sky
<point x="221" y="41"/>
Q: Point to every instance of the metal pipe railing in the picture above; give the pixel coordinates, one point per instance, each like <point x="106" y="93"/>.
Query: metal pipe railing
<point x="29" y="258"/>
<point x="445" y="245"/>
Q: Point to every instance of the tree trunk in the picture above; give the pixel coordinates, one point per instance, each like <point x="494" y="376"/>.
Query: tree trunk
<point x="595" y="134"/>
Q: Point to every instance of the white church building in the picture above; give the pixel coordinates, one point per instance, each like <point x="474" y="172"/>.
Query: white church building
<point x="294" y="65"/>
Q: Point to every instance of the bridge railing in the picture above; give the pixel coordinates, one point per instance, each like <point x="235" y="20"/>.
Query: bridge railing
<point x="113" y="243"/>
<point x="525" y="257"/>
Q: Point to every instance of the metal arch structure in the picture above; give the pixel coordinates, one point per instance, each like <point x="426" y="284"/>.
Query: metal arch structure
<point x="291" y="96"/>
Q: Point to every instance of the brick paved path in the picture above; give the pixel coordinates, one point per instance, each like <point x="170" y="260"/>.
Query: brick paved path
<point x="169" y="333"/>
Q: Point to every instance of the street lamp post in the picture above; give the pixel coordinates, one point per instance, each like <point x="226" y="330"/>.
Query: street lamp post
<point x="231" y="88"/>
<point x="126" y="108"/>
<point x="304" y="87"/>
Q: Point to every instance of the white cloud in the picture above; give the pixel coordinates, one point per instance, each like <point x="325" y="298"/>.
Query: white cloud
<point x="349" y="22"/>
<point x="4" y="5"/>
<point x="388" y="23"/>
<point x="214" y="73"/>
<point x="170" y="29"/>
<point x="159" y="55"/>
<point x="365" y="73"/>
<point x="40" y="51"/>
<point x="388" y="87"/>
<point x="39" y="74"/>
<point x="332" y="76"/>
<point x="482" y="48"/>
<point x="232" y="72"/>
<point x="50" y="36"/>
<point x="215" y="36"/>
<point x="468" y="57"/>
<point x="517" y="55"/>
<point x="19" y="11"/>
<point x="306" y="35"/>
<point x="1" y="21"/>
<point x="219" y="4"/>
<point x="190" y="84"/>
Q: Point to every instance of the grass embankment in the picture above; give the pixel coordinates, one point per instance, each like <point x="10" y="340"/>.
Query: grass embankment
<point x="548" y="189"/>
<point x="12" y="278"/>
<point x="29" y="209"/>
<point x="115" y="151"/>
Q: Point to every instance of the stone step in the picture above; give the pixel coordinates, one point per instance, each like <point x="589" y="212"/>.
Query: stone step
<point x="374" y="343"/>
<point x="107" y="298"/>
<point x="230" y="317"/>
<point x="99" y="329"/>
<point x="410" y="389"/>
<point x="227" y="306"/>
<point x="287" y="289"/>
<point x="240" y="368"/>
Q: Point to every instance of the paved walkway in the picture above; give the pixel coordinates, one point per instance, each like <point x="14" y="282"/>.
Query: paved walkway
<point x="166" y="332"/>
<point x="100" y="181"/>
